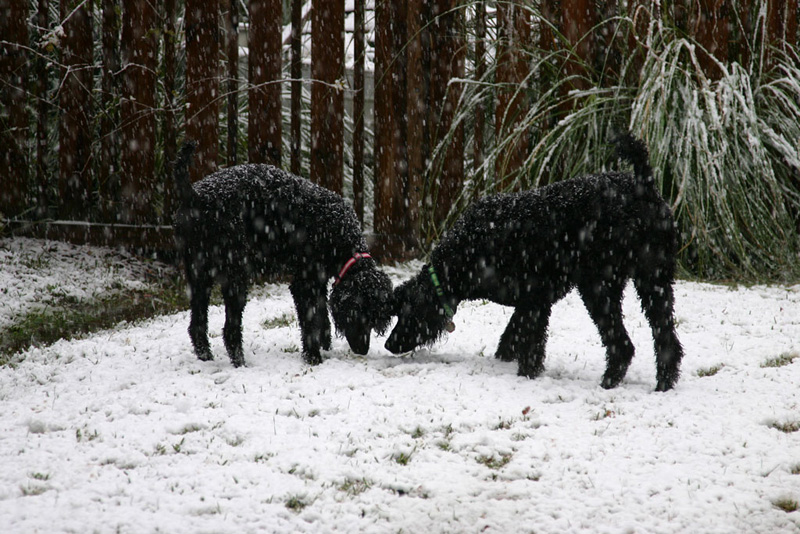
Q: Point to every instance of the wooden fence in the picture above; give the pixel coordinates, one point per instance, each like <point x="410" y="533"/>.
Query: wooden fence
<point x="88" y="126"/>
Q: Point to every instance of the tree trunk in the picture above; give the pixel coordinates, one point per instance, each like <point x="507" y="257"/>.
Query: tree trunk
<point x="13" y="109"/>
<point x="296" y="132"/>
<point x="264" y="63"/>
<point x="327" y="94"/>
<point x="202" y="84"/>
<point x="358" y="111"/>
<point x="75" y="103"/>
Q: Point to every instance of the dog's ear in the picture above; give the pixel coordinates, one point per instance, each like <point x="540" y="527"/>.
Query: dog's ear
<point x="366" y="297"/>
<point x="384" y="300"/>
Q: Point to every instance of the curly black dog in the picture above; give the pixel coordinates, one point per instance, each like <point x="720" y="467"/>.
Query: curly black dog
<point x="259" y="220"/>
<point x="529" y="249"/>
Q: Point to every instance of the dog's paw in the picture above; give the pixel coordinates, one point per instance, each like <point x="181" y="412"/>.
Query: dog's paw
<point x="664" y="385"/>
<point x="530" y="371"/>
<point x="610" y="382"/>
<point x="205" y="356"/>
<point x="312" y="358"/>
<point x="505" y="356"/>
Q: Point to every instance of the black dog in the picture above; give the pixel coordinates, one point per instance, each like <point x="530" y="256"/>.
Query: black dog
<point x="259" y="220"/>
<point x="529" y="249"/>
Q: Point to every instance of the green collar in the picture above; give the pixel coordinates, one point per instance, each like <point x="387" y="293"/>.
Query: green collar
<point x="448" y="311"/>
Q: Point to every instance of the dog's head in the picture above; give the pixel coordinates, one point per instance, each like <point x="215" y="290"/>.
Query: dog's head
<point x="360" y="303"/>
<point x="421" y="318"/>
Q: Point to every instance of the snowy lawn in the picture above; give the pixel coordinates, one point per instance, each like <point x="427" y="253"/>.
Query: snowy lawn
<point x="126" y="431"/>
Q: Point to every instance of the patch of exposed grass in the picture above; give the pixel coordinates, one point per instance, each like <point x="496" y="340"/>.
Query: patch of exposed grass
<point x="278" y="322"/>
<point x="296" y="503"/>
<point x="403" y="458"/>
<point x="355" y="486"/>
<point x="710" y="371"/>
<point x="786" y="427"/>
<point x="503" y="424"/>
<point x="781" y="361"/>
<point x="787" y="504"/>
<point x="494" y="462"/>
<point x="33" y="489"/>
<point x="64" y="317"/>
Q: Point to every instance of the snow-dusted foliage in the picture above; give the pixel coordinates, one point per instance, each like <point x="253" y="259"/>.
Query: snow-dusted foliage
<point x="723" y="152"/>
<point x="724" y="145"/>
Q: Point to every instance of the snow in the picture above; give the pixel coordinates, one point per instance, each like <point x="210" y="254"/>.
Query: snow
<point x="126" y="431"/>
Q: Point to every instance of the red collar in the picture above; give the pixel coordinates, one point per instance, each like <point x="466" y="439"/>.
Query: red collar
<point x="352" y="261"/>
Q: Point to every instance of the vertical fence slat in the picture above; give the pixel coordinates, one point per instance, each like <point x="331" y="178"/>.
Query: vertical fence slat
<point x="75" y="103"/>
<point x="264" y="63"/>
<point x="296" y="121"/>
<point x="447" y="64"/>
<point x="40" y="183"/>
<point x="202" y="83"/>
<point x="108" y="169"/>
<point x="359" y="90"/>
<point x="137" y="112"/>
<point x="232" y="27"/>
<point x="480" y="112"/>
<point x="327" y="94"/>
<point x="387" y="132"/>
<point x="513" y="34"/>
<point x="13" y="112"/>
<point x="418" y="66"/>
<point x="169" y="121"/>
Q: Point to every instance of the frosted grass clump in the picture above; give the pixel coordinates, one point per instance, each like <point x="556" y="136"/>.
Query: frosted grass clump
<point x="725" y="151"/>
<point x="721" y="163"/>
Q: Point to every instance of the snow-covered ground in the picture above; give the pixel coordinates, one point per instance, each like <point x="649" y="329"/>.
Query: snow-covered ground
<point x="126" y="431"/>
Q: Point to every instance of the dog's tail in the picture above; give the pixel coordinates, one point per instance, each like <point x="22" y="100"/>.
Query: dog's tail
<point x="635" y="151"/>
<point x="180" y="171"/>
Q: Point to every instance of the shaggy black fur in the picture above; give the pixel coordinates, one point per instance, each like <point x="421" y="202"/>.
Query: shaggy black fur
<point x="259" y="220"/>
<point x="529" y="249"/>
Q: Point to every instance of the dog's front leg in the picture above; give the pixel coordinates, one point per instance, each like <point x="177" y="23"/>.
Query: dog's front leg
<point x="234" y="294"/>
<point x="200" y="290"/>
<point x="524" y="340"/>
<point x="311" y="303"/>
<point x="603" y="301"/>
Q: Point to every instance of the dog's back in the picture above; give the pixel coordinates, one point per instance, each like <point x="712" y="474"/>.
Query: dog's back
<point x="269" y="220"/>
<point x="613" y="221"/>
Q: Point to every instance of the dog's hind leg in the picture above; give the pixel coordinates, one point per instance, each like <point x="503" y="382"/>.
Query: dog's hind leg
<point x="657" y="302"/>
<point x="200" y="289"/>
<point x="524" y="340"/>
<point x="311" y="303"/>
<point x="603" y="300"/>
<point x="234" y="294"/>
